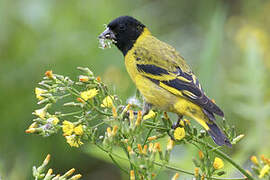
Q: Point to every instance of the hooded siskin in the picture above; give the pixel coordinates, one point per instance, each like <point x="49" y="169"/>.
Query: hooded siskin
<point x="162" y="76"/>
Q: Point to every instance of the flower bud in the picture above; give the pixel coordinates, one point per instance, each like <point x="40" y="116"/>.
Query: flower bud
<point x="254" y="160"/>
<point x="132" y="175"/>
<point x="83" y="78"/>
<point x="109" y="131"/>
<point x="140" y="149"/>
<point x="56" y="177"/>
<point x="76" y="177"/>
<point x="69" y="173"/>
<point x="114" y="112"/>
<point x="98" y="79"/>
<point x="46" y="160"/>
<point x="114" y="131"/>
<point x="152" y="138"/>
<point x="170" y="145"/>
<point x="145" y="149"/>
<point x="139" y="118"/>
<point x="86" y="70"/>
<point x="196" y="172"/>
<point x="49" y="74"/>
<point x="201" y="155"/>
<point x="176" y="176"/>
<point x="238" y="138"/>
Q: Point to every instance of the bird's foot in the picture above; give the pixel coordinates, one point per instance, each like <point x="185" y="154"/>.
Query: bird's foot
<point x="177" y="124"/>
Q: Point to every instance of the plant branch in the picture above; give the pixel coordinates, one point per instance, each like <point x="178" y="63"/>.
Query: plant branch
<point x="226" y="157"/>
<point x="168" y="166"/>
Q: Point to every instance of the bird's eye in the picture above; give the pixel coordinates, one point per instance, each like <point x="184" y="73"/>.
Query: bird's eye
<point x="122" y="27"/>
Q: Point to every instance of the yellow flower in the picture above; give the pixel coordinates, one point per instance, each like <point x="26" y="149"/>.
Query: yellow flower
<point x="89" y="94"/>
<point x="218" y="163"/>
<point x="179" y="133"/>
<point x="68" y="128"/>
<point x="182" y="123"/>
<point x="107" y="102"/>
<point x="254" y="160"/>
<point x="41" y="112"/>
<point x="264" y="171"/>
<point x="151" y="114"/>
<point x="39" y="92"/>
<point x="72" y="141"/>
<point x="54" y="120"/>
<point x="78" y="130"/>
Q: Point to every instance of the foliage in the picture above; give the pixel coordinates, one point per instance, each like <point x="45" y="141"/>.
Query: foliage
<point x="94" y="108"/>
<point x="38" y="172"/>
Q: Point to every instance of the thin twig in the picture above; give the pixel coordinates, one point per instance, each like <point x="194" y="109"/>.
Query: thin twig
<point x="117" y="164"/>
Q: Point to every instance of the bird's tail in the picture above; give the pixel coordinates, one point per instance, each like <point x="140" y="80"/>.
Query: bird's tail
<point x="217" y="135"/>
<point x="207" y="120"/>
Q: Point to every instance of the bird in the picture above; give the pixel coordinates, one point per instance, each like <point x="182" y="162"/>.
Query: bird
<point x="162" y="75"/>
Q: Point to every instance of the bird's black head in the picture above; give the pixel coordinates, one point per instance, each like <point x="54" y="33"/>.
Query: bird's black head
<point x="124" y="32"/>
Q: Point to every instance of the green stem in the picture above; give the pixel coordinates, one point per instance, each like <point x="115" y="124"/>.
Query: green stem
<point x="148" y="134"/>
<point x="101" y="112"/>
<point x="227" y="158"/>
<point x="117" y="164"/>
<point x="70" y="114"/>
<point x="155" y="127"/>
<point x="98" y="125"/>
<point x="174" y="168"/>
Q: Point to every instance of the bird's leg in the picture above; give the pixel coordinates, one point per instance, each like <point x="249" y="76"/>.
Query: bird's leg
<point x="146" y="108"/>
<point x="175" y="125"/>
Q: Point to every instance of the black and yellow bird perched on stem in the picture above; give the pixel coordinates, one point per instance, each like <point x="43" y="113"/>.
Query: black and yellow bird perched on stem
<point x="162" y="76"/>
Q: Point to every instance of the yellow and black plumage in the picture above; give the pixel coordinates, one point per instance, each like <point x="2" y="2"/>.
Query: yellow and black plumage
<point x="162" y="76"/>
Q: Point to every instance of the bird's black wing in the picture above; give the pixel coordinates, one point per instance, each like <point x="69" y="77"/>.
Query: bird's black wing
<point x="165" y="67"/>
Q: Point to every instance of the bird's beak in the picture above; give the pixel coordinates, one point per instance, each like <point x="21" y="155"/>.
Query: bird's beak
<point x="107" y="34"/>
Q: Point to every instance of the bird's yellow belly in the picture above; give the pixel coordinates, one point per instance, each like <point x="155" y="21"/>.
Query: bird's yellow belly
<point x="154" y="94"/>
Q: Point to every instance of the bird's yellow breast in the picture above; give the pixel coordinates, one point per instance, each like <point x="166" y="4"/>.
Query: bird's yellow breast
<point x="153" y="93"/>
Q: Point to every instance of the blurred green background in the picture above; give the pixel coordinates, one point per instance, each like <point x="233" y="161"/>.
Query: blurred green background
<point x="227" y="43"/>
